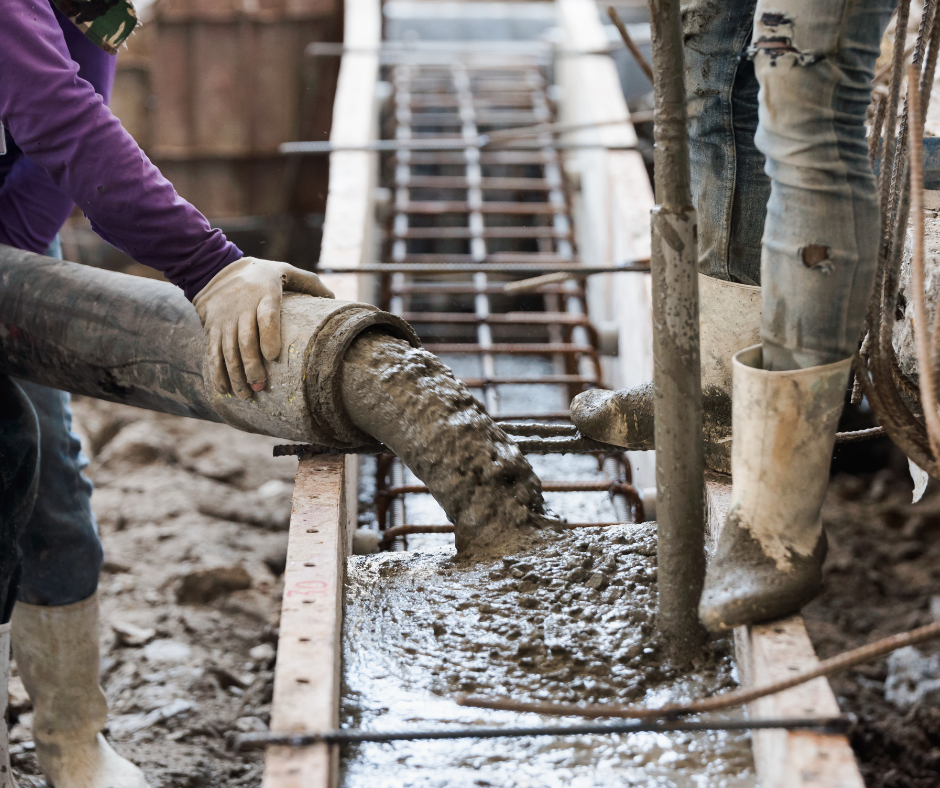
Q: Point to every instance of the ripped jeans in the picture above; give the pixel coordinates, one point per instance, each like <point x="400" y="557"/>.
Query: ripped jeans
<point x="786" y="199"/>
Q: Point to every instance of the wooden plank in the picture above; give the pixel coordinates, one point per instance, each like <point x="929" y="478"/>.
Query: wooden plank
<point x="219" y="109"/>
<point x="307" y="674"/>
<point x="349" y="224"/>
<point x="774" y="651"/>
<point x="323" y="519"/>
<point x="612" y="210"/>
<point x="170" y="75"/>
<point x="276" y="53"/>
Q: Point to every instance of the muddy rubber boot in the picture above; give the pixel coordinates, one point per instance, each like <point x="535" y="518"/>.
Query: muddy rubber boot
<point x="729" y="320"/>
<point x="768" y="561"/>
<point x="6" y="773"/>
<point x="56" y="650"/>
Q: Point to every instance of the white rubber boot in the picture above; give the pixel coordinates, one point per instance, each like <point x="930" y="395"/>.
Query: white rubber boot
<point x="6" y="774"/>
<point x="729" y="321"/>
<point x="769" y="556"/>
<point x="56" y="651"/>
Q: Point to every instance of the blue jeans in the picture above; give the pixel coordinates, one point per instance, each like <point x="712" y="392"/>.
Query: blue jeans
<point x="806" y="229"/>
<point x="19" y="480"/>
<point x="59" y="544"/>
<point x="59" y="554"/>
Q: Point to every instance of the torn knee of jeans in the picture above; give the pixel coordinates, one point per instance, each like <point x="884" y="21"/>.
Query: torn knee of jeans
<point x="816" y="256"/>
<point x="774" y="38"/>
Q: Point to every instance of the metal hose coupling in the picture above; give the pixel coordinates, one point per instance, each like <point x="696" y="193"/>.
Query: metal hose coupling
<point x="302" y="399"/>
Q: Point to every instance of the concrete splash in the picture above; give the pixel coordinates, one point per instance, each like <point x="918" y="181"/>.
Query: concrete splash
<point x="569" y="619"/>
<point x="408" y="399"/>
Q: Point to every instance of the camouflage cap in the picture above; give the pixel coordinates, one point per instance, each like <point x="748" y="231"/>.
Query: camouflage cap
<point x="107" y="23"/>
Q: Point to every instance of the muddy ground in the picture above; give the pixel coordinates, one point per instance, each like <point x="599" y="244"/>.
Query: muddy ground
<point x="193" y="518"/>
<point x="882" y="577"/>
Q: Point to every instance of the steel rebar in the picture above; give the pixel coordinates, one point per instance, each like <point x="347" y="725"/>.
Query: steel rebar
<point x="256" y="741"/>
<point x="680" y="501"/>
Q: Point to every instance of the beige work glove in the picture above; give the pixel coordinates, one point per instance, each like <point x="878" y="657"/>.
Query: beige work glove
<point x="240" y="310"/>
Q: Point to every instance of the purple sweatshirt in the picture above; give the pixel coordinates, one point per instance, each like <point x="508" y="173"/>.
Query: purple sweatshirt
<point x="75" y="150"/>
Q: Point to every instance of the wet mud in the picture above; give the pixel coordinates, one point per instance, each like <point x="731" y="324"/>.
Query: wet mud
<point x="881" y="577"/>
<point x="408" y="399"/>
<point x="569" y="619"/>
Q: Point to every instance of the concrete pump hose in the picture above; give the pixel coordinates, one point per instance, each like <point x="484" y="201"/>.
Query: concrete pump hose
<point x="139" y="342"/>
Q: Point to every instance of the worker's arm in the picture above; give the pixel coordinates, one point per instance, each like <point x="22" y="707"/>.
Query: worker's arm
<point x="32" y="208"/>
<point x="64" y="127"/>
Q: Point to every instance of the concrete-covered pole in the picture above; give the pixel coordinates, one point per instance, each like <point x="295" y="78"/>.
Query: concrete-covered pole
<point x="139" y="342"/>
<point x="680" y="499"/>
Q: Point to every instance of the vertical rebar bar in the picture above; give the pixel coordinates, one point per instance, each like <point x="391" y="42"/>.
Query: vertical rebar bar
<point x="680" y="499"/>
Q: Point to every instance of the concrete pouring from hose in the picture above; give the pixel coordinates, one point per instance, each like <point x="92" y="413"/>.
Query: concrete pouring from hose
<point x="139" y="342"/>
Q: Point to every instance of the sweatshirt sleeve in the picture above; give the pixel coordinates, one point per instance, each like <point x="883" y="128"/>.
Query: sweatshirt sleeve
<point x="65" y="128"/>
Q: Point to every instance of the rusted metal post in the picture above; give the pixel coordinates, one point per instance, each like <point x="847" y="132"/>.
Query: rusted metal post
<point x="680" y="497"/>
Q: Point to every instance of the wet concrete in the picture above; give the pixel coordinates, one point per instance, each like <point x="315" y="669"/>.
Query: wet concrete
<point x="569" y="619"/>
<point x="408" y="399"/>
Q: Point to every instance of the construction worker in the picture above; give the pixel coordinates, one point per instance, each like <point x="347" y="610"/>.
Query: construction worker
<point x="61" y="146"/>
<point x="788" y="224"/>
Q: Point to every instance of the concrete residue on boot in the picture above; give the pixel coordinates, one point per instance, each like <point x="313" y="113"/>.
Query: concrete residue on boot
<point x="623" y="418"/>
<point x="406" y="398"/>
<point x="572" y="618"/>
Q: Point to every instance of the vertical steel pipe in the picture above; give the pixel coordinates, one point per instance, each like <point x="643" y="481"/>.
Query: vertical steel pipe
<point x="680" y="501"/>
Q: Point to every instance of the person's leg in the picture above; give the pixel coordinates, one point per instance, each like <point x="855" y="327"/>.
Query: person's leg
<point x="729" y="186"/>
<point x="19" y="481"/>
<point x="62" y="555"/>
<point x="19" y="477"/>
<point x="55" y="621"/>
<point x="729" y="190"/>
<point x="814" y="60"/>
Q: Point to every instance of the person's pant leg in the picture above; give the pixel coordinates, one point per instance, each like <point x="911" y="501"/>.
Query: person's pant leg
<point x="19" y="478"/>
<point x="814" y="60"/>
<point x="729" y="187"/>
<point x="62" y="554"/>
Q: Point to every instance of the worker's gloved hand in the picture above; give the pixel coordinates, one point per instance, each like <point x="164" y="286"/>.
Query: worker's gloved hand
<point x="240" y="310"/>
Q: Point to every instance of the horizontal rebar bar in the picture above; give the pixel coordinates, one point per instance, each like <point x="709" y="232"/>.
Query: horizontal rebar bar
<point x="527" y="445"/>
<point x="511" y="348"/>
<point x="560" y="442"/>
<point x="466" y="288"/>
<point x="632" y="267"/>
<point x="588" y="485"/>
<point x="318" y="148"/>
<point x="499" y="318"/>
<point x="440" y="233"/>
<point x="254" y="741"/>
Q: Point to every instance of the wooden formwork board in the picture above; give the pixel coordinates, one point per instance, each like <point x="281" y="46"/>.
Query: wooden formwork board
<point x="349" y="224"/>
<point x="307" y="677"/>
<point x="766" y="653"/>
<point x="612" y="207"/>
